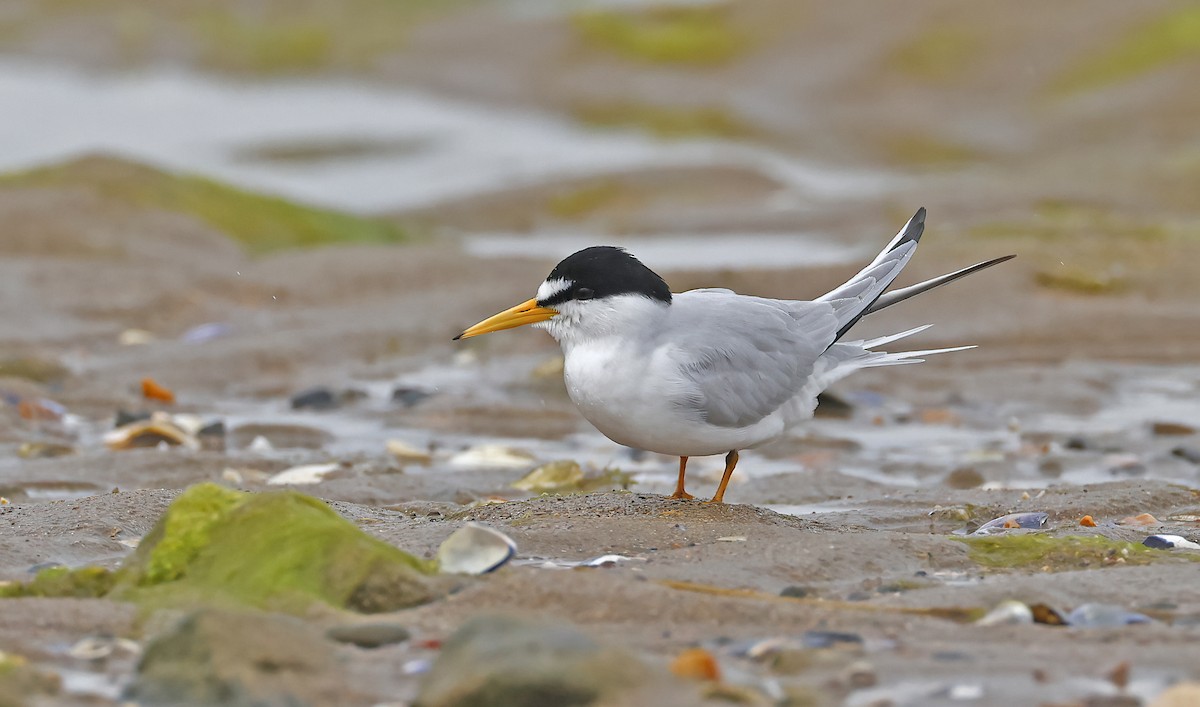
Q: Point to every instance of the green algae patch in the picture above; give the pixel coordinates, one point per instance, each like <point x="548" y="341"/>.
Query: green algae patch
<point x="182" y="533"/>
<point x="1170" y="38"/>
<point x="62" y="582"/>
<point x="699" y="36"/>
<point x="278" y="550"/>
<point x="1082" y="281"/>
<point x="1057" y="554"/>
<point x="261" y="223"/>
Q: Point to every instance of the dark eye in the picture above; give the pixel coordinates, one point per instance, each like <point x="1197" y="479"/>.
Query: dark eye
<point x="584" y="293"/>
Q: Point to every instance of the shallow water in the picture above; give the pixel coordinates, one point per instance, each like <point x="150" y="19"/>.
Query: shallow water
<point x="206" y="125"/>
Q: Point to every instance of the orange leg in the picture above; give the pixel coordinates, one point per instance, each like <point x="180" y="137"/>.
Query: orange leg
<point x="731" y="461"/>
<point x="679" y="492"/>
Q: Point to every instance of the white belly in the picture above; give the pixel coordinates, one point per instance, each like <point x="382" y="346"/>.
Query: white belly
<point x="626" y="397"/>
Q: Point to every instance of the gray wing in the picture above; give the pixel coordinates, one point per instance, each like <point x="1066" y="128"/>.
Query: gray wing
<point x="741" y="358"/>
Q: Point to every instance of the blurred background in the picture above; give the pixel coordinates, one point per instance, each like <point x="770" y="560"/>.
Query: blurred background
<point x="334" y="189"/>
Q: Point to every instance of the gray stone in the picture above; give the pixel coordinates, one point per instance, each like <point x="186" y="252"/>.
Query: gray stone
<point x="501" y="661"/>
<point x="369" y="635"/>
<point x="241" y="659"/>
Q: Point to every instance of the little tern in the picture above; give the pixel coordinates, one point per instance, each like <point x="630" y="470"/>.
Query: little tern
<point x="708" y="371"/>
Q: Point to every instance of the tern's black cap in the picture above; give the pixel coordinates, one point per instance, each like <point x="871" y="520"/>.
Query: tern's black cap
<point x="604" y="271"/>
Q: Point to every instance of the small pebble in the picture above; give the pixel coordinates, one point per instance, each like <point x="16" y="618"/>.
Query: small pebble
<point x="1172" y="429"/>
<point x="409" y="396"/>
<point x="831" y="639"/>
<point x="964" y="478"/>
<point x="151" y="390"/>
<point x="369" y="635"/>
<point x="797" y="592"/>
<point x="315" y="399"/>
<point x="697" y="664"/>
<point x="1190" y="454"/>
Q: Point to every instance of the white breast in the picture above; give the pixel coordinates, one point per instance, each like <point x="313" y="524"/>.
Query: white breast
<point x="626" y="397"/>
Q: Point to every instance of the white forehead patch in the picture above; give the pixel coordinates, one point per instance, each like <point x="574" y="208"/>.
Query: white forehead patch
<point x="549" y="288"/>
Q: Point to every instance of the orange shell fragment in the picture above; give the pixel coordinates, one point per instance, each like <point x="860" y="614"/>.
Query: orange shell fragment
<point x="696" y="663"/>
<point x="153" y="391"/>
<point x="1087" y="522"/>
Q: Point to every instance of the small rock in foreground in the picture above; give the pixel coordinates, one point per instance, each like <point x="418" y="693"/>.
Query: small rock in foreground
<point x="498" y="661"/>
<point x="369" y="635"/>
<point x="239" y="659"/>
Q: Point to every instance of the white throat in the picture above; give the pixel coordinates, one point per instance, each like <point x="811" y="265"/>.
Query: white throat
<point x="619" y="316"/>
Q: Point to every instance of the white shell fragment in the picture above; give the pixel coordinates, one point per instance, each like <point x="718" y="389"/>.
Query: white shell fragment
<point x="475" y="549"/>
<point x="99" y="647"/>
<point x="491" y="456"/>
<point x="404" y="452"/>
<point x="136" y="337"/>
<point x="304" y="474"/>
<point x="555" y="476"/>
<point x="1170" y="542"/>
<point x="601" y="561"/>
<point x="1007" y="613"/>
<point x="1027" y="521"/>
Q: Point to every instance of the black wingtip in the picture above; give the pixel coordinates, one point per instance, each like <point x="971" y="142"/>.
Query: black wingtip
<point x="913" y="229"/>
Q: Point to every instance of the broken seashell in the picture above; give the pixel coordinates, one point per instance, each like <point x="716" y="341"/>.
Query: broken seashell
<point x="404" y="452"/>
<point x="135" y="337"/>
<point x="158" y="430"/>
<point x="555" y="476"/>
<point x="475" y="549"/>
<point x="1170" y="542"/>
<point x="1029" y="521"/>
<point x="1087" y="522"/>
<point x="1006" y="613"/>
<point x="303" y="474"/>
<point x="491" y="456"/>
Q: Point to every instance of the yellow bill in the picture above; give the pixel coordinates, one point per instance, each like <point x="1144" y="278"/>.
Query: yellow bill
<point x="528" y="312"/>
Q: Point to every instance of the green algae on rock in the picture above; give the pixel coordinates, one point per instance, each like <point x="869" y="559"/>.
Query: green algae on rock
<point x="1055" y="554"/>
<point x="279" y="550"/>
<point x="61" y="582"/>
<point x="261" y="223"/>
